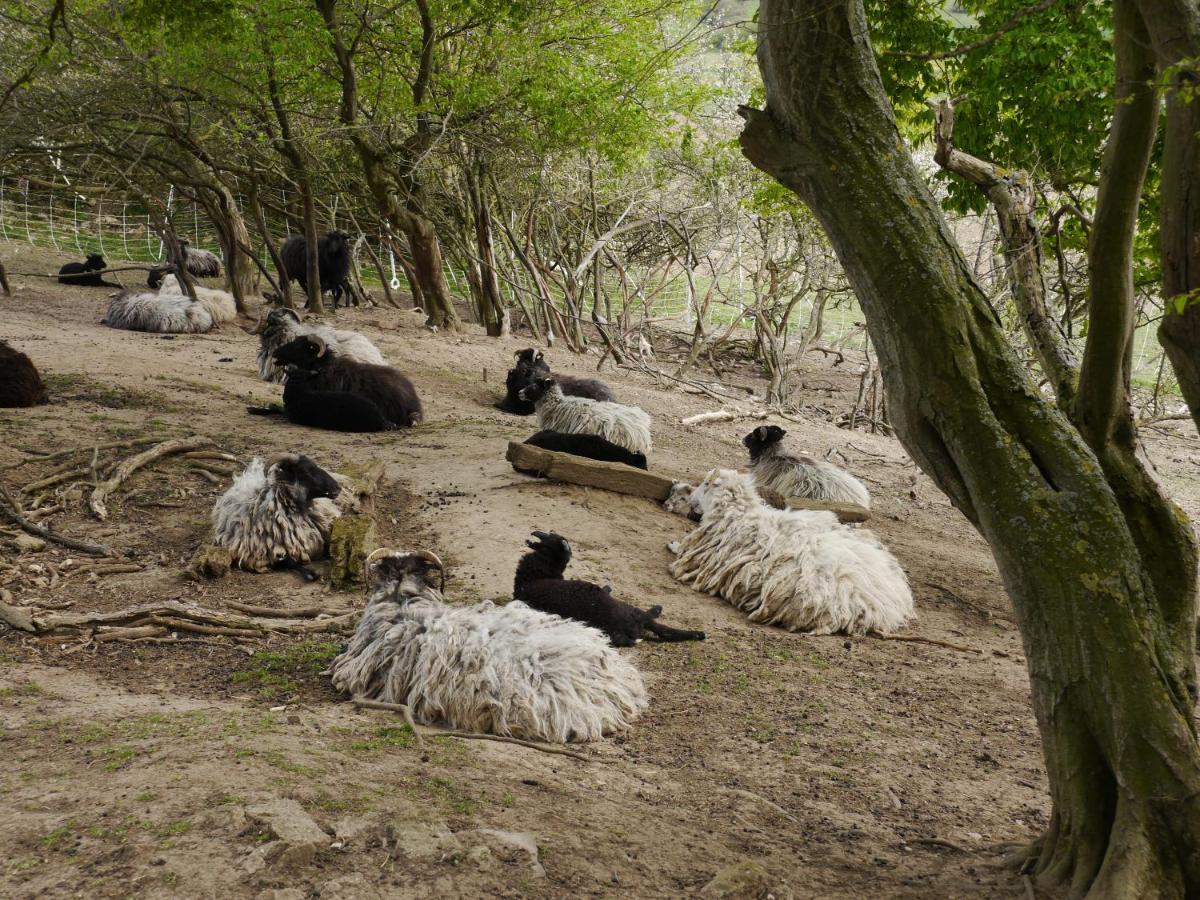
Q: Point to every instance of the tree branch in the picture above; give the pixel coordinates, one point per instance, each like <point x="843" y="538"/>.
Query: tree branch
<point x="1005" y="27"/>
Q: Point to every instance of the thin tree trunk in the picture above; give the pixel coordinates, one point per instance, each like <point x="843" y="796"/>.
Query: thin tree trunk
<point x="1096" y="614"/>
<point x="260" y="221"/>
<point x="311" y="247"/>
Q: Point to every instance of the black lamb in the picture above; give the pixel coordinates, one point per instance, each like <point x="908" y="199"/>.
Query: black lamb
<point x="531" y="364"/>
<point x="333" y="262"/>
<point x="540" y="585"/>
<point x="85" y="273"/>
<point x="388" y="389"/>
<point x="591" y="446"/>
<point x="20" y="383"/>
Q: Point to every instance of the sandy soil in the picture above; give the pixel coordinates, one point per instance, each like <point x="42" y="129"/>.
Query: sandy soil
<point x="793" y="766"/>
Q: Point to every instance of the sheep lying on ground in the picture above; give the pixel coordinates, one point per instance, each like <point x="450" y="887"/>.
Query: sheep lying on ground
<point x="199" y="263"/>
<point x="531" y="364"/>
<point x="800" y="570"/>
<point x="220" y="305"/>
<point x="506" y="670"/>
<point x="540" y="584"/>
<point x="626" y="426"/>
<point x="305" y="404"/>
<point x="283" y="325"/>
<point x="333" y="262"/>
<point x="587" y="445"/>
<point x="384" y="386"/>
<point x="797" y="475"/>
<point x="279" y="513"/>
<point x="142" y="310"/>
<point x="84" y="273"/>
<point x="20" y="383"/>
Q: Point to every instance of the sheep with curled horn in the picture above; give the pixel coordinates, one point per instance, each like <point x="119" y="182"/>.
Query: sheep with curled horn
<point x="280" y="513"/>
<point x="540" y="584"/>
<point x="798" y="569"/>
<point x="530" y="364"/>
<point x="776" y="468"/>
<point x="388" y="388"/>
<point x="506" y="670"/>
<point x="220" y="304"/>
<point x="20" y="382"/>
<point x="282" y="325"/>
<point x="625" y="426"/>
<point x="304" y="404"/>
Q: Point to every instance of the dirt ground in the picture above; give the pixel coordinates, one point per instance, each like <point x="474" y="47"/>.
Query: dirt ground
<point x="785" y="765"/>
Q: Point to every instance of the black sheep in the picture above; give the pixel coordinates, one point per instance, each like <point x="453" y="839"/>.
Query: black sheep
<point x="333" y="262"/>
<point x="84" y="273"/>
<point x="391" y="392"/>
<point x="591" y="446"/>
<point x="531" y="364"/>
<point x="540" y="585"/>
<point x="304" y="404"/>
<point x="20" y="383"/>
<point x="199" y="264"/>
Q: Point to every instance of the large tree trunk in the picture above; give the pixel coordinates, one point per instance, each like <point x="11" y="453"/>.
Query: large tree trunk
<point x="1107" y="620"/>
<point x="311" y="258"/>
<point x="493" y="312"/>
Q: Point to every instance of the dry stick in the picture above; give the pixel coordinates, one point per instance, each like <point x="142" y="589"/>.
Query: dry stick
<point x="64" y="453"/>
<point x="50" y="480"/>
<point x="941" y="842"/>
<point x="90" y="272"/>
<point x="122" y="634"/>
<point x="205" y="474"/>
<point x="131" y="465"/>
<point x="224" y="471"/>
<point x="363" y="703"/>
<point x="118" y="569"/>
<point x="912" y="638"/>
<point x="212" y="454"/>
<point x="10" y="510"/>
<point x="270" y="612"/>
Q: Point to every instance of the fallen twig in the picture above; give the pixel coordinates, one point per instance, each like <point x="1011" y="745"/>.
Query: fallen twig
<point x="941" y="842"/>
<point x="211" y="454"/>
<point x="912" y="638"/>
<point x="101" y="569"/>
<point x="131" y="465"/>
<point x="65" y="453"/>
<point x="364" y="703"/>
<point x="270" y="612"/>
<point x="205" y="474"/>
<point x="123" y="634"/>
<point x="11" y="511"/>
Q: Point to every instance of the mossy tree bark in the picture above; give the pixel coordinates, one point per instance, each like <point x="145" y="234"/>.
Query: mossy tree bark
<point x="1099" y="565"/>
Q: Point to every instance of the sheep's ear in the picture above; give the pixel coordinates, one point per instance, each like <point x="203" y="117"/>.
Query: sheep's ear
<point x="761" y="432"/>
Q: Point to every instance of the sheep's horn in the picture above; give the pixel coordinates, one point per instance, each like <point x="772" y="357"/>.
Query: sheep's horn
<point x="260" y="325"/>
<point x="320" y="343"/>
<point x="542" y="535"/>
<point x="378" y="551"/>
<point x="278" y="458"/>
<point x="432" y="558"/>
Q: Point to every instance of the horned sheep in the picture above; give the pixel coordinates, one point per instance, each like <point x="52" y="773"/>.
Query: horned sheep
<point x="305" y="404"/>
<point x="531" y="363"/>
<point x="797" y="475"/>
<point x="540" y="584"/>
<point x="20" y="382"/>
<point x="506" y="670"/>
<point x="626" y="426"/>
<point x="282" y="325"/>
<point x="798" y="569"/>
<point x="279" y="513"/>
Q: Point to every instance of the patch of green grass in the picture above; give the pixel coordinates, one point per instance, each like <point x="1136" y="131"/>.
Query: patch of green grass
<point x="338" y="804"/>
<point x="386" y="737"/>
<point x="118" y="757"/>
<point x="58" y="835"/>
<point x="173" y="829"/>
<point x="280" y="761"/>
<point x="271" y="671"/>
<point x="452" y="795"/>
<point x="74" y="386"/>
<point x="23" y="864"/>
<point x="146" y="797"/>
<point x="26" y="689"/>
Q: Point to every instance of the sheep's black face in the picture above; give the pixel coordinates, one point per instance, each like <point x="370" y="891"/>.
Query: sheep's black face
<point x="282" y="314"/>
<point x="530" y="360"/>
<point x="536" y="389"/>
<point x="761" y="438"/>
<point x="404" y="576"/>
<point x="336" y="240"/>
<point x="553" y="547"/>
<point x="302" y="351"/>
<point x="307" y="480"/>
<point x="95" y="262"/>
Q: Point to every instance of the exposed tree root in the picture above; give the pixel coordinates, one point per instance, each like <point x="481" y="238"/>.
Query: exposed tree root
<point x="10" y="509"/>
<point x="270" y="612"/>
<point x="100" y="495"/>
<point x="62" y="454"/>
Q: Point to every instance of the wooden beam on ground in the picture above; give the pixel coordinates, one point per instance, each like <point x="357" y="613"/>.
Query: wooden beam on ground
<point x="624" y="479"/>
<point x="589" y="472"/>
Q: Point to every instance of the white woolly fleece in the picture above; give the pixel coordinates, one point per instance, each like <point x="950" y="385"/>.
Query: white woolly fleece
<point x="261" y="528"/>
<point x="144" y="310"/>
<point x="795" y="475"/>
<point x="346" y="344"/>
<point x="798" y="569"/>
<point x="220" y="305"/>
<point x="507" y="670"/>
<point x="626" y="426"/>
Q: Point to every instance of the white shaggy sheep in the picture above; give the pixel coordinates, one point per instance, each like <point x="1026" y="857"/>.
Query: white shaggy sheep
<point x="282" y="325"/>
<point x="279" y="513"/>
<point x="800" y="570"/>
<point x="797" y="475"/>
<point x="506" y="670"/>
<point x="626" y="426"/>
<point x="144" y="310"/>
<point x="220" y="305"/>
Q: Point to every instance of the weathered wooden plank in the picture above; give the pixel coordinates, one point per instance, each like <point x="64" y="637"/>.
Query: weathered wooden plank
<point x="589" y="472"/>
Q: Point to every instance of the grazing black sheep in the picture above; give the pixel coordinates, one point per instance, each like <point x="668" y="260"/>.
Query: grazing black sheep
<point x="305" y="404"/>
<point x="391" y="392"/>
<point x="20" y="383"/>
<point x="84" y="273"/>
<point x="333" y="262"/>
<point x="591" y="446"/>
<point x="540" y="585"/>
<point x="532" y="364"/>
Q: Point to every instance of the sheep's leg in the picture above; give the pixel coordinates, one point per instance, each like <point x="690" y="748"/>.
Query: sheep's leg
<point x="672" y="635"/>
<point x="271" y="409"/>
